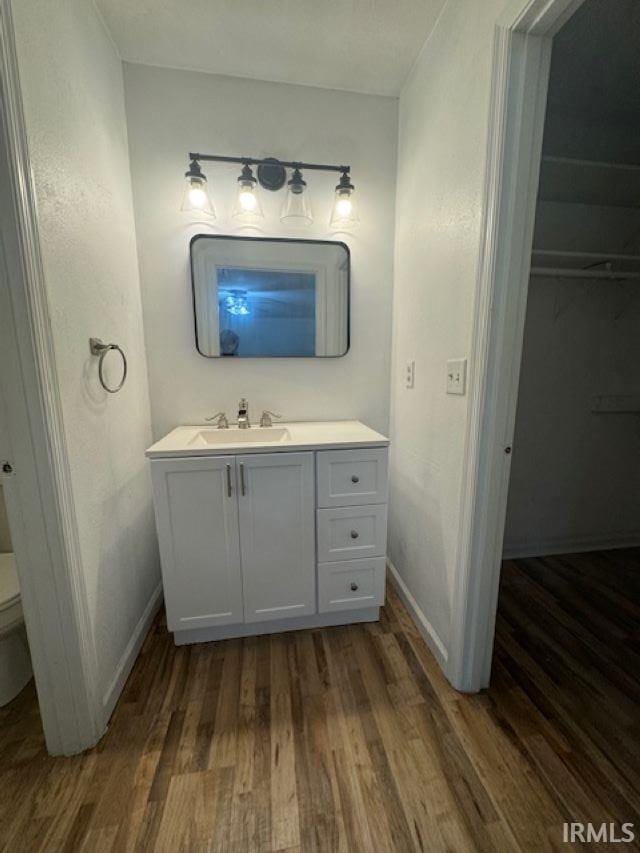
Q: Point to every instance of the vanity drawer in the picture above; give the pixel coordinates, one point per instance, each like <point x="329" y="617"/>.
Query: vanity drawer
<point x="352" y="477"/>
<point x="350" y="584"/>
<point x="349" y="532"/>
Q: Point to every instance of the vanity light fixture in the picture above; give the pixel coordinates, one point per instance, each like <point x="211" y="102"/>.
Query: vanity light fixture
<point x="196" y="195"/>
<point x="272" y="176"/>
<point x="247" y="207"/>
<point x="236" y="303"/>
<point x="296" y="209"/>
<point x="344" y="213"/>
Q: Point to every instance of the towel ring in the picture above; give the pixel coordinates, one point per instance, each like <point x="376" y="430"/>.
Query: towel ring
<point x="100" y="349"/>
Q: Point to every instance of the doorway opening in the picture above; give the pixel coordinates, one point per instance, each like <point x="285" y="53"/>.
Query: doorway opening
<point x="553" y="465"/>
<point x="19" y="708"/>
<point x="39" y="544"/>
<point x="15" y="659"/>
<point x="561" y="208"/>
<point x="569" y="600"/>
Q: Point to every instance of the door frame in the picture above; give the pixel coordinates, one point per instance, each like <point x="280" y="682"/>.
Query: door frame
<point x="519" y="81"/>
<point x="38" y="490"/>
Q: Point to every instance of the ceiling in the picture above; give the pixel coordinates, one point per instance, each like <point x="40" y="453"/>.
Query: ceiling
<point x="358" y="45"/>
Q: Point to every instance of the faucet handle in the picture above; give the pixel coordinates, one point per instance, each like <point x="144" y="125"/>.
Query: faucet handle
<point x="265" y="418"/>
<point x="221" y="420"/>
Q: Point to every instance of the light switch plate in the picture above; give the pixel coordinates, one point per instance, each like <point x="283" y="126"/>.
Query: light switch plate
<point x="410" y="374"/>
<point x="457" y="376"/>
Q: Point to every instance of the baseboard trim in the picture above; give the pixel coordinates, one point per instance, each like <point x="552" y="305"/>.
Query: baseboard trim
<point x="426" y="629"/>
<point x="131" y="652"/>
<point x="548" y="547"/>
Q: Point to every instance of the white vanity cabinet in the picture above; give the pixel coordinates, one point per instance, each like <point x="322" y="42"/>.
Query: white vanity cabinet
<point x="277" y="537"/>
<point x="197" y="520"/>
<point x="271" y="538"/>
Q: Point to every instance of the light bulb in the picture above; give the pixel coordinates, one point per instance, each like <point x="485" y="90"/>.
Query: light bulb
<point x="344" y="206"/>
<point x="247" y="207"/>
<point x="248" y="200"/>
<point x="344" y="214"/>
<point x="196" y="195"/>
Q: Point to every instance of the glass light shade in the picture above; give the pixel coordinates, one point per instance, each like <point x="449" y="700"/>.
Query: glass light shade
<point x="344" y="213"/>
<point x="296" y="209"/>
<point x="196" y="196"/>
<point x="247" y="206"/>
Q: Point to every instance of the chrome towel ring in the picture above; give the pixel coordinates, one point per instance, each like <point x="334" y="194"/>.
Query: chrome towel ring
<point x="100" y="349"/>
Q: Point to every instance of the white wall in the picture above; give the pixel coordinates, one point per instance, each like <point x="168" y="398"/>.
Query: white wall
<point x="5" y="534"/>
<point x="444" y="111"/>
<point x="574" y="478"/>
<point x="74" y="104"/>
<point x="173" y="112"/>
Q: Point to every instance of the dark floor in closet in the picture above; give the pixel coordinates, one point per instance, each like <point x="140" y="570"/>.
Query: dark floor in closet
<point x="568" y="647"/>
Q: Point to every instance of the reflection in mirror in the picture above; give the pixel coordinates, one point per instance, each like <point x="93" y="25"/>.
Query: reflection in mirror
<point x="256" y="297"/>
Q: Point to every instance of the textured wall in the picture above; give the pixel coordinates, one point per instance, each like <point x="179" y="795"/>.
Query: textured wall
<point x="173" y="112"/>
<point x="5" y="535"/>
<point x="444" y="112"/>
<point x="74" y="104"/>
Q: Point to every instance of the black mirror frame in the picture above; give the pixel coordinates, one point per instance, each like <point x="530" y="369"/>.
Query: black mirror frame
<point x="241" y="238"/>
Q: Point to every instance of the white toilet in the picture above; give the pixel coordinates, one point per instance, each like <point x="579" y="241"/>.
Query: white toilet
<point x="15" y="662"/>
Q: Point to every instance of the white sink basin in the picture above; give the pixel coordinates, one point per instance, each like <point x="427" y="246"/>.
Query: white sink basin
<point x="260" y="435"/>
<point x="201" y="440"/>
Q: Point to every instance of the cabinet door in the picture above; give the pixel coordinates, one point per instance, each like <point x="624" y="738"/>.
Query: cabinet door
<point x="277" y="538"/>
<point x="197" y="520"/>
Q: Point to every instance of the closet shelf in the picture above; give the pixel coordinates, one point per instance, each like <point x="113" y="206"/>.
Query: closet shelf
<point x="616" y="404"/>
<point x="569" y="272"/>
<point x="588" y="256"/>
<point x="607" y="184"/>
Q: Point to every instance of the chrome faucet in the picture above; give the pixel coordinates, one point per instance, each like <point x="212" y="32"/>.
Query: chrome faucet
<point x="243" y="414"/>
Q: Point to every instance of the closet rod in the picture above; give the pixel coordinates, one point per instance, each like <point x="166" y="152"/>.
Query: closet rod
<point x="559" y="272"/>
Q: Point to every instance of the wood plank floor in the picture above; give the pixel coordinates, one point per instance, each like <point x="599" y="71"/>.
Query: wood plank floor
<point x="350" y="739"/>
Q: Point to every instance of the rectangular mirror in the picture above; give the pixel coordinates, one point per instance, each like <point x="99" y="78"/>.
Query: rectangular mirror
<point x="258" y="297"/>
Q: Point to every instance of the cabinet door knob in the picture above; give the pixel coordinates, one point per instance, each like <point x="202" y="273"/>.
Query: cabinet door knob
<point x="354" y="586"/>
<point x="355" y="478"/>
<point x="354" y="534"/>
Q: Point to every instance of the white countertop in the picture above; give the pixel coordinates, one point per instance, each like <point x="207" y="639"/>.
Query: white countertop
<point x="204" y="440"/>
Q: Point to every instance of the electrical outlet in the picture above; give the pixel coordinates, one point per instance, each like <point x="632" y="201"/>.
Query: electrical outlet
<point x="410" y="374"/>
<point x="457" y="376"/>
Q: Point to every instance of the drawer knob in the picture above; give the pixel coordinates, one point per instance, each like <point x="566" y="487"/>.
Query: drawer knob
<point x="354" y="586"/>
<point x="354" y="534"/>
<point x="355" y="478"/>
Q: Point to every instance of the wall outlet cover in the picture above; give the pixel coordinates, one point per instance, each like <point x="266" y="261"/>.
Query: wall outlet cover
<point x="457" y="376"/>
